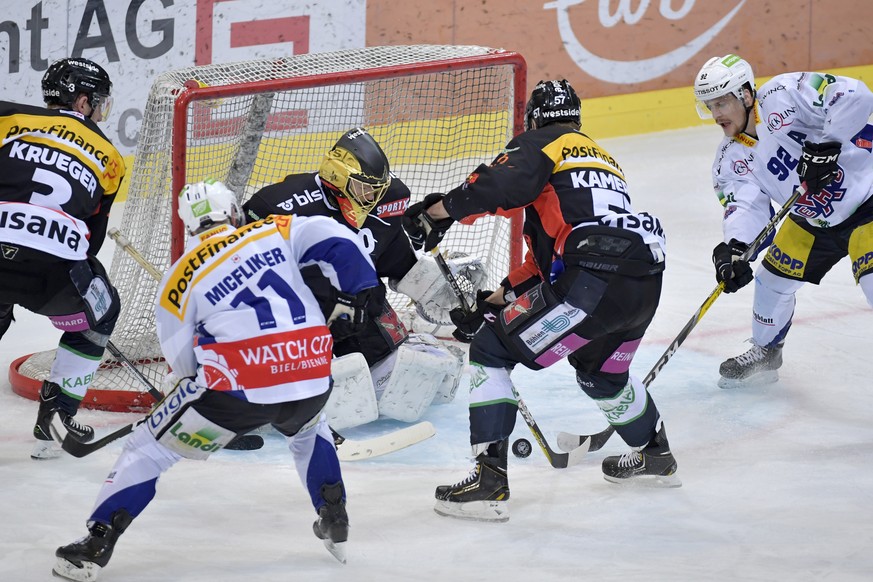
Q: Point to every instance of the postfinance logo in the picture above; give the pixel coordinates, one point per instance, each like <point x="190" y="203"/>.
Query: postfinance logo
<point x="626" y="72"/>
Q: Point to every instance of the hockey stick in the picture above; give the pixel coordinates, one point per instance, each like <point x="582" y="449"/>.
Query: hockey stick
<point x="570" y="442"/>
<point x="246" y="442"/>
<point x="116" y="353"/>
<point x="556" y="459"/>
<point x="350" y="450"/>
<point x="358" y="450"/>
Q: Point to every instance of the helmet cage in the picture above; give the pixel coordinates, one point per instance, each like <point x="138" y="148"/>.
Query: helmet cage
<point x="356" y="174"/>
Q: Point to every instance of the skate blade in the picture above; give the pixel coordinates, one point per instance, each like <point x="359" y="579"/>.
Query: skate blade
<point x="44" y="450"/>
<point x="337" y="550"/>
<point x="67" y="570"/>
<point x="495" y="511"/>
<point x="759" y="379"/>
<point x="653" y="481"/>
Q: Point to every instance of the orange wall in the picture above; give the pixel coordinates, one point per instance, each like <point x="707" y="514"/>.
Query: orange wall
<point x="774" y="35"/>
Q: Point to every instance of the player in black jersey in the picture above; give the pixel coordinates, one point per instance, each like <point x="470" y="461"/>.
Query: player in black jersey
<point x="354" y="186"/>
<point x="588" y="290"/>
<point x="59" y="175"/>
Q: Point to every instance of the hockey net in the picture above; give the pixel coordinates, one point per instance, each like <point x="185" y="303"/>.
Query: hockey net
<point x="437" y="111"/>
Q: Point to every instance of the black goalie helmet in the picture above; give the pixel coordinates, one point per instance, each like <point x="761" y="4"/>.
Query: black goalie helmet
<point x="355" y="172"/>
<point x="550" y="102"/>
<point x="66" y="79"/>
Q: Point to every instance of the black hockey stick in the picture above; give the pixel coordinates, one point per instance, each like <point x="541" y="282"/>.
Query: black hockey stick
<point x="556" y="459"/>
<point x="116" y="353"/>
<point x="570" y="442"/>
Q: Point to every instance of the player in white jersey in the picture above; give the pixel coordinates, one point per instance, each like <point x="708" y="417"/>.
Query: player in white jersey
<point x="804" y="127"/>
<point x="237" y="323"/>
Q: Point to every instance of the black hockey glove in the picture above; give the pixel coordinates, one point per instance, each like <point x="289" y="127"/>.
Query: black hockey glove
<point x="729" y="269"/>
<point x="349" y="314"/>
<point x="422" y="227"/>
<point x="468" y="323"/>
<point x="818" y="165"/>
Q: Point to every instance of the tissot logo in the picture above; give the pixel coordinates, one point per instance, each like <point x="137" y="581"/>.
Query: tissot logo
<point x="641" y="70"/>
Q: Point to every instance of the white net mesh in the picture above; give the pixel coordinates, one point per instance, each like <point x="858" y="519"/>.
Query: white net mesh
<point x="437" y="111"/>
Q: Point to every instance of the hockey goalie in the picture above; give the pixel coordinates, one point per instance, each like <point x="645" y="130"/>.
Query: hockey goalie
<point x="382" y="370"/>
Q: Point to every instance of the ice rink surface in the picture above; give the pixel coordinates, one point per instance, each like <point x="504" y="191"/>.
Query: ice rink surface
<point x="777" y="481"/>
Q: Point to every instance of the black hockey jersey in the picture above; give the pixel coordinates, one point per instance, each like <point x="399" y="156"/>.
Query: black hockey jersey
<point x="59" y="175"/>
<point x="382" y="233"/>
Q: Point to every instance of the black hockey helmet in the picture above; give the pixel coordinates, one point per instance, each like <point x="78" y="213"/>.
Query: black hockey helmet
<point x="66" y="79"/>
<point x="550" y="102"/>
<point x="355" y="173"/>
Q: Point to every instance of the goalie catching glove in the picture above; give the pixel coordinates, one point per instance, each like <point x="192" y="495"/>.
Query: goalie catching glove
<point x="349" y="315"/>
<point x="423" y="230"/>
<point x="729" y="268"/>
<point x="434" y="297"/>
<point x="467" y="323"/>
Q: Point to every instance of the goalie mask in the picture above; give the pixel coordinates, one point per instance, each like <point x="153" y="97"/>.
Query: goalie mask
<point x="355" y="174"/>
<point x="66" y="79"/>
<point x="551" y="102"/>
<point x="202" y="205"/>
<point x="721" y="76"/>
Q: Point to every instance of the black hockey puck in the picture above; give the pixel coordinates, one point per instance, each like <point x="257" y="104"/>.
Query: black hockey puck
<point x="521" y="448"/>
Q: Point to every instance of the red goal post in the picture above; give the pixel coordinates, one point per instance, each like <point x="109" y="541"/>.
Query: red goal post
<point x="437" y="111"/>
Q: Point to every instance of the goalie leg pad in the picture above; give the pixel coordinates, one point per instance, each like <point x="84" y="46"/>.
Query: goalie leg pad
<point x="353" y="399"/>
<point x="420" y="369"/>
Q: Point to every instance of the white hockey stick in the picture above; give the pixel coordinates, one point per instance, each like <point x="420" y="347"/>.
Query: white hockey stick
<point x="358" y="450"/>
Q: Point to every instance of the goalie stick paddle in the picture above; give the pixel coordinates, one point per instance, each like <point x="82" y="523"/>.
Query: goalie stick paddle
<point x="570" y="442"/>
<point x="358" y="450"/>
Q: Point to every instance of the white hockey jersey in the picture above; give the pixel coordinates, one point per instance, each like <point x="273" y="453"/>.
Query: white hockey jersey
<point x="792" y="108"/>
<point x="234" y="311"/>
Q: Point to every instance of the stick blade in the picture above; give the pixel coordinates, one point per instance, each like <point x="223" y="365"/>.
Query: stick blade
<point x="354" y="450"/>
<point x="79" y="449"/>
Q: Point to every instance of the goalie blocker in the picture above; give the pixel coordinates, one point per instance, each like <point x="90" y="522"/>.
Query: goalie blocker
<point x="421" y="372"/>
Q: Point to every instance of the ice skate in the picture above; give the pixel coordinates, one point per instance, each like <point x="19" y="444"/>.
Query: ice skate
<point x="49" y="396"/>
<point x="484" y="494"/>
<point x="652" y="465"/>
<point x="332" y="525"/>
<point x="757" y="366"/>
<point x="82" y="560"/>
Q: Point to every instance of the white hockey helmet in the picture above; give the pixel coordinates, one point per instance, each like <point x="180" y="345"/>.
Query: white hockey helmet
<point x="204" y="204"/>
<point x="721" y="76"/>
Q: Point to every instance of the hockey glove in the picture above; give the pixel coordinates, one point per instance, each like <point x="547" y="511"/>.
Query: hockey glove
<point x="818" y="165"/>
<point x="468" y="323"/>
<point x="421" y="226"/>
<point x="729" y="269"/>
<point x="349" y="314"/>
